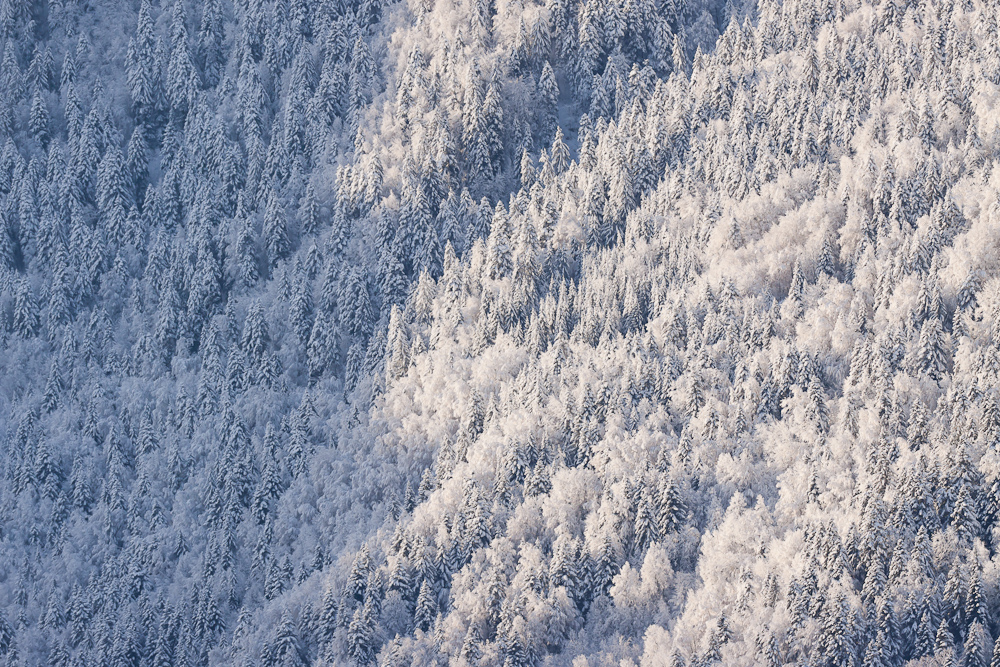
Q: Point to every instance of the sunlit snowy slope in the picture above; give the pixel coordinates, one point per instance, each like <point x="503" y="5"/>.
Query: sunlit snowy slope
<point x="499" y="333"/>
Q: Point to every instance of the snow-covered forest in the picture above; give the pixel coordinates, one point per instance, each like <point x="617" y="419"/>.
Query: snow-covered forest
<point x="500" y="333"/>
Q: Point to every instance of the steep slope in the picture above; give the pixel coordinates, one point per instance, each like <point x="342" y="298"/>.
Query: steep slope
<point x="499" y="333"/>
<point x="722" y="388"/>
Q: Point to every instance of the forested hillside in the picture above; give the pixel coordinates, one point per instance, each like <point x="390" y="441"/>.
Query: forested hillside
<point x="499" y="333"/>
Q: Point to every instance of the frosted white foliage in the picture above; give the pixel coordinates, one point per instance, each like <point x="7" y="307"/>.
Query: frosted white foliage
<point x="500" y="333"/>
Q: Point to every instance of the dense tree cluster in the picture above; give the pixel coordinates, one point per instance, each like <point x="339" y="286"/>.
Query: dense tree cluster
<point x="654" y="332"/>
